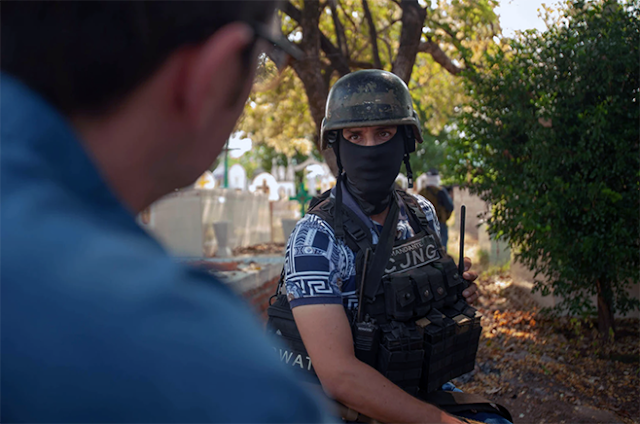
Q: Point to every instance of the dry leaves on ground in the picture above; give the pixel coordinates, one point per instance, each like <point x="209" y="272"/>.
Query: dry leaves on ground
<point x="552" y="369"/>
<point x="260" y="249"/>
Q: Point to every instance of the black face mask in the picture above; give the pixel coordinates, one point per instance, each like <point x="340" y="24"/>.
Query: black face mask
<point x="371" y="171"/>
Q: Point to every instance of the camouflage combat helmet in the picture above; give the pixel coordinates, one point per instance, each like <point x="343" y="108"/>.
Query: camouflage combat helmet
<point x="368" y="98"/>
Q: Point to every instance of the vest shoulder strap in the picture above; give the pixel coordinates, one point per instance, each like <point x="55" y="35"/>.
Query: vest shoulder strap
<point x="316" y="200"/>
<point x="414" y="209"/>
<point x="358" y="234"/>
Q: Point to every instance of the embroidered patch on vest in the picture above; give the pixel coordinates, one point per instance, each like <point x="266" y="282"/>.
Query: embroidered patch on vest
<point x="413" y="254"/>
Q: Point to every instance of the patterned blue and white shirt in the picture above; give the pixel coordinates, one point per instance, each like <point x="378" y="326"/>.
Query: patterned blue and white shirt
<point x="319" y="269"/>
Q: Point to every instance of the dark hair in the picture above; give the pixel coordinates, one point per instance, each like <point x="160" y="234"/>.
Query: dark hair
<point x="87" y="55"/>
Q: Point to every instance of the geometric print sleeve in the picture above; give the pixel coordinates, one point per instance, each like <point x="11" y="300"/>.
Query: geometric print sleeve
<point x="316" y="264"/>
<point x="430" y="213"/>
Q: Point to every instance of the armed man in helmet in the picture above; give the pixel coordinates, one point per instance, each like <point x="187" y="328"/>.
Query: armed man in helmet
<point x="381" y="313"/>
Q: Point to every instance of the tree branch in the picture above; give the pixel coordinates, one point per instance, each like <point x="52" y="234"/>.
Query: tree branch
<point x="464" y="51"/>
<point x="338" y="60"/>
<point x="339" y="29"/>
<point x="362" y="65"/>
<point x="413" y="17"/>
<point x="372" y="35"/>
<point x="386" y="27"/>
<point x="293" y="12"/>
<point x="439" y="56"/>
<point x="327" y="70"/>
<point x="335" y="56"/>
<point x="389" y="50"/>
<point x="352" y="42"/>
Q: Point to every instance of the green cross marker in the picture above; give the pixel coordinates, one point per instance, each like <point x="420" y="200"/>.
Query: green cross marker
<point x="302" y="197"/>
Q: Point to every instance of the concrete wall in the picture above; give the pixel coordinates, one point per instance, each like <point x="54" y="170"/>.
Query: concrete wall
<point x="182" y="220"/>
<point x="478" y="244"/>
<point x="248" y="215"/>
<point x="176" y="221"/>
<point x="282" y="210"/>
<point x="475" y="207"/>
<point x="524" y="278"/>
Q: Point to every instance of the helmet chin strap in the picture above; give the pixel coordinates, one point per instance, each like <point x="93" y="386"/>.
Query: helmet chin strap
<point x="337" y="218"/>
<point x="409" y="147"/>
<point x="407" y="167"/>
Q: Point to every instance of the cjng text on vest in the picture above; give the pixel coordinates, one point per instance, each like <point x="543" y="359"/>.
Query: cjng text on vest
<point x="413" y="254"/>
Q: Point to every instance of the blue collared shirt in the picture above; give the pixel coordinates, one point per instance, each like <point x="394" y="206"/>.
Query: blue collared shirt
<point x="98" y="322"/>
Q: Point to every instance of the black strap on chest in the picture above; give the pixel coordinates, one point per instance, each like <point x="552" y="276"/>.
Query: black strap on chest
<point x="358" y="237"/>
<point x="356" y="233"/>
<point x="382" y="252"/>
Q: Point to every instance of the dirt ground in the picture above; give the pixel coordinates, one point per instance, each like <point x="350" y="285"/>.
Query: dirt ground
<point x="547" y="370"/>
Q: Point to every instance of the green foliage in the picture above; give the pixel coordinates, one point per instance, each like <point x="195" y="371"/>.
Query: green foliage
<point x="429" y="154"/>
<point x="278" y="114"/>
<point x="550" y="138"/>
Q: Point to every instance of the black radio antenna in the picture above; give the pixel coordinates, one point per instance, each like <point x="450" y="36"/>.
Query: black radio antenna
<point x="463" y="212"/>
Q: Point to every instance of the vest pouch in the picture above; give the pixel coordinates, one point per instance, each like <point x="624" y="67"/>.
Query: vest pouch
<point x="432" y="326"/>
<point x="401" y="355"/>
<point x="401" y="336"/>
<point x="439" y="346"/>
<point x="452" y="355"/>
<point x="425" y="293"/>
<point x="403" y="368"/>
<point x="399" y="297"/>
<point x="438" y="286"/>
<point x="450" y="271"/>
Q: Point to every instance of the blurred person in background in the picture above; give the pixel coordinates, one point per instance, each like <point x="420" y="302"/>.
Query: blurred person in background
<point x="439" y="197"/>
<point x="107" y="106"/>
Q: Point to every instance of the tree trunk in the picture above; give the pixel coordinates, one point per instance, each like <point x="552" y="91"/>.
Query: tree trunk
<point x="606" y="325"/>
<point x="309" y="70"/>
<point x="412" y="21"/>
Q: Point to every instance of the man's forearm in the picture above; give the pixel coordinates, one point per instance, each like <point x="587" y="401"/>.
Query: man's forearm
<point x="365" y="390"/>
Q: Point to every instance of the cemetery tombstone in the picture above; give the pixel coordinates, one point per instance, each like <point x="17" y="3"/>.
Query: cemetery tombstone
<point x="402" y="181"/>
<point x="265" y="180"/>
<point x="237" y="177"/>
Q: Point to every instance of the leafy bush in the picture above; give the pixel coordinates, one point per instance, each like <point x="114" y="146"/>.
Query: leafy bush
<point x="550" y="139"/>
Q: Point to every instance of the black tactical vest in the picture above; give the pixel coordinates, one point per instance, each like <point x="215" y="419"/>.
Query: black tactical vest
<point x="415" y="328"/>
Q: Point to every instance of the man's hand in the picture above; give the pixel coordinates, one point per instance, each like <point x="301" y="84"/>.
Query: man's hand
<point x="470" y="293"/>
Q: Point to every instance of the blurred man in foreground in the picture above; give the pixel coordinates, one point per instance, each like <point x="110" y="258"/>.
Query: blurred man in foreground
<point x="106" y="106"/>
